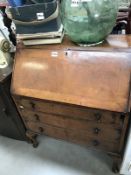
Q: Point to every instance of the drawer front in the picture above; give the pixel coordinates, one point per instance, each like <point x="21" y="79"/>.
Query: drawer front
<point x="80" y="137"/>
<point x="78" y="112"/>
<point x="100" y="130"/>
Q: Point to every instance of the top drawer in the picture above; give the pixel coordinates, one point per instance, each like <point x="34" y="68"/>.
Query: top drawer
<point x="77" y="112"/>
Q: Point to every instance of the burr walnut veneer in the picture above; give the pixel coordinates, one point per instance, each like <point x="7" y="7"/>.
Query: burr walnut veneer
<point x="75" y="93"/>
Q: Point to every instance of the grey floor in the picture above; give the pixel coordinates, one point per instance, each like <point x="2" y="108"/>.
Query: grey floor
<point x="52" y="157"/>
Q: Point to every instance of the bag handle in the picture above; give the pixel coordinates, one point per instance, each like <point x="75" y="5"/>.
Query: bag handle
<point x="51" y="17"/>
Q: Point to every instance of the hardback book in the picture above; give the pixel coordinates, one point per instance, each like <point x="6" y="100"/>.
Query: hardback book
<point x="41" y="35"/>
<point x="46" y="40"/>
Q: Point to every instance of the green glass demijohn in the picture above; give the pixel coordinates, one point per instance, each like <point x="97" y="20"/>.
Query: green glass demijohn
<point x="88" y="22"/>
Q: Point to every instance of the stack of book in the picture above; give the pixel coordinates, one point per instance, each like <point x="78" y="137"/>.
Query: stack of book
<point x="42" y="38"/>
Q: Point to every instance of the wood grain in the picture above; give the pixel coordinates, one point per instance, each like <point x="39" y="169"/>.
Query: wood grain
<point x="98" y="79"/>
<point x="71" y="135"/>
<point x="76" y="94"/>
<point x="71" y="111"/>
<point x="100" y="130"/>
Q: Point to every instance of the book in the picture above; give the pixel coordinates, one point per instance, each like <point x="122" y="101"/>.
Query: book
<point x="40" y="41"/>
<point x="41" y="35"/>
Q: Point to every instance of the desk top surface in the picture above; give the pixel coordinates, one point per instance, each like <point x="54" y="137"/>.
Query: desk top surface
<point x="96" y="77"/>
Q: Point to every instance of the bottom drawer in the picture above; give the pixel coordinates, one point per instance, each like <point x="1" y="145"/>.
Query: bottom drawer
<point x="75" y="136"/>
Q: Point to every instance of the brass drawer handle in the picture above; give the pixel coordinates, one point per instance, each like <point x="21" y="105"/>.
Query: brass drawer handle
<point x="37" y="118"/>
<point x="96" y="130"/>
<point x="32" y="105"/>
<point x="41" y="129"/>
<point x="95" y="143"/>
<point x="21" y="107"/>
<point x="98" y="117"/>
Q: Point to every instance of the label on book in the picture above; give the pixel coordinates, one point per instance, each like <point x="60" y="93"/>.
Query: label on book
<point x="75" y="3"/>
<point x="40" y="16"/>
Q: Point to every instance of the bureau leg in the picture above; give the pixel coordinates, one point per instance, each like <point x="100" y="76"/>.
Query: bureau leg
<point x="116" y="165"/>
<point x="32" y="138"/>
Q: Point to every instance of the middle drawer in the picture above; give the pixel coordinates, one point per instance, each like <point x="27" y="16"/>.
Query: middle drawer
<point x="105" y="132"/>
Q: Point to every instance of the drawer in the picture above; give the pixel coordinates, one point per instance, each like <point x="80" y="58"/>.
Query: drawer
<point x="105" y="132"/>
<point x="99" y="116"/>
<point x="79" y="137"/>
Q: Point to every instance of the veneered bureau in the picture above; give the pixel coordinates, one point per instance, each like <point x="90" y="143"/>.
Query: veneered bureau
<point x="74" y="93"/>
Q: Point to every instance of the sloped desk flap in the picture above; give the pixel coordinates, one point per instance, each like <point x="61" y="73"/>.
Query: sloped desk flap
<point x="96" y="79"/>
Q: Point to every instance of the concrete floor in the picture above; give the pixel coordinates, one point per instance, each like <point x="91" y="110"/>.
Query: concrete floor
<point x="52" y="157"/>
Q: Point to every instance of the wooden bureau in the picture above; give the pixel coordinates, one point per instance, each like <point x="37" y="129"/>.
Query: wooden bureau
<point x="74" y="93"/>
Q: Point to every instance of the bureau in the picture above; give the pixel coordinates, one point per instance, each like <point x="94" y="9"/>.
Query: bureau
<point x="77" y="94"/>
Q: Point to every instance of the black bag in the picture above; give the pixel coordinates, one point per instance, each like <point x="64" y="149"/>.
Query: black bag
<point x="36" y="18"/>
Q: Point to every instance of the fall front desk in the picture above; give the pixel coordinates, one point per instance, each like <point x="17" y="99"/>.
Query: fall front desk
<point x="78" y="94"/>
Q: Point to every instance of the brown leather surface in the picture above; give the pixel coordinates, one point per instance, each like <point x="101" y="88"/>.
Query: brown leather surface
<point x="97" y="79"/>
